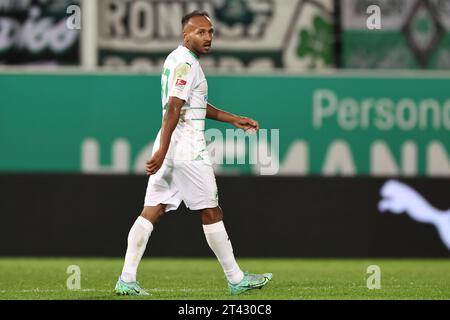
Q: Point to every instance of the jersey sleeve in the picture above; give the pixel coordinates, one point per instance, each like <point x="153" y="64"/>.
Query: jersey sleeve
<point x="183" y="82"/>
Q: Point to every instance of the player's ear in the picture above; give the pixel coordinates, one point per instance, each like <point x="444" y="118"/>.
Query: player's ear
<point x="185" y="36"/>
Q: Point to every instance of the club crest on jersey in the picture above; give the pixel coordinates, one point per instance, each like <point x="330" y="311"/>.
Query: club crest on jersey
<point x="182" y="70"/>
<point x="180" y="83"/>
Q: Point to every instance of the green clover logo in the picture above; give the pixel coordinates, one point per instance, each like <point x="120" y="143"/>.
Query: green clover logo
<point x="317" y="43"/>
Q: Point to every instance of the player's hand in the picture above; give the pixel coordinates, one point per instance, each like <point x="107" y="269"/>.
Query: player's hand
<point x="246" y="124"/>
<point x="155" y="163"/>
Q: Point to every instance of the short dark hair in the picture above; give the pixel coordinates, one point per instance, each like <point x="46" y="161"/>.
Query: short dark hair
<point x="195" y="13"/>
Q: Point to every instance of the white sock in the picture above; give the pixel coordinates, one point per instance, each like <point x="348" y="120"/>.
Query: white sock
<point x="220" y="244"/>
<point x="137" y="242"/>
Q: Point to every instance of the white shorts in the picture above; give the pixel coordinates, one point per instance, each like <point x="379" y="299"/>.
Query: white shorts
<point x="190" y="181"/>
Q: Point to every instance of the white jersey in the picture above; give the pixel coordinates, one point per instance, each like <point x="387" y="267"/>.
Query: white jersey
<point x="183" y="77"/>
<point x="187" y="174"/>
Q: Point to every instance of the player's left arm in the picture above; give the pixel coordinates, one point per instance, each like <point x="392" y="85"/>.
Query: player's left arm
<point x="240" y="122"/>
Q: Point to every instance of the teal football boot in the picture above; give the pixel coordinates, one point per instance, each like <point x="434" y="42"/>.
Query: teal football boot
<point x="129" y="289"/>
<point x="249" y="282"/>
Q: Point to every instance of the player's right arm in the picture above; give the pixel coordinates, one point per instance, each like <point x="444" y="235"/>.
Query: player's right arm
<point x="177" y="95"/>
<point x="170" y="121"/>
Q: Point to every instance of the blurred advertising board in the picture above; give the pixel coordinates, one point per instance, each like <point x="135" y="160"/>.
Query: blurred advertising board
<point x="36" y="33"/>
<point x="249" y="34"/>
<point x="414" y="34"/>
<point x="316" y="217"/>
<point x="347" y="125"/>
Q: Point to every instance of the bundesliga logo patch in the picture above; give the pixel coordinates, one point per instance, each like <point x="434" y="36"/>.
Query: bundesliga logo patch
<point x="180" y="83"/>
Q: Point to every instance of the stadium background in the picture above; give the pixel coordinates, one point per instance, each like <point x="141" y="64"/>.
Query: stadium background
<point x="354" y="108"/>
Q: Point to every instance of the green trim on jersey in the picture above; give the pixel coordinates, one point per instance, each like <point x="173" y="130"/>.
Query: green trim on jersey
<point x="192" y="54"/>
<point x="199" y="157"/>
<point x="165" y="82"/>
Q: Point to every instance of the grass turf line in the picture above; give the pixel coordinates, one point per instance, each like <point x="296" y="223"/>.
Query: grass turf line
<point x="200" y="279"/>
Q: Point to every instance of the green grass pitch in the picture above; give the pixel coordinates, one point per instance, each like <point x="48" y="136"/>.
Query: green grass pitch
<point x="200" y="279"/>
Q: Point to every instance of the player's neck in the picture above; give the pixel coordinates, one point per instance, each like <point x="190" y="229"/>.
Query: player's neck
<point x="196" y="54"/>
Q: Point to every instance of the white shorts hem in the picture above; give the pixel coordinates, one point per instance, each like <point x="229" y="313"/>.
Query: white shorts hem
<point x="202" y="206"/>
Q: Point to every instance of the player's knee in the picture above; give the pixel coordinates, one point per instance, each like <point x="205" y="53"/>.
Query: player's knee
<point x="153" y="214"/>
<point x="212" y="215"/>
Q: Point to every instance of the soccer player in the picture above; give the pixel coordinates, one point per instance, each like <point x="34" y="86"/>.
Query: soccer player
<point x="180" y="168"/>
